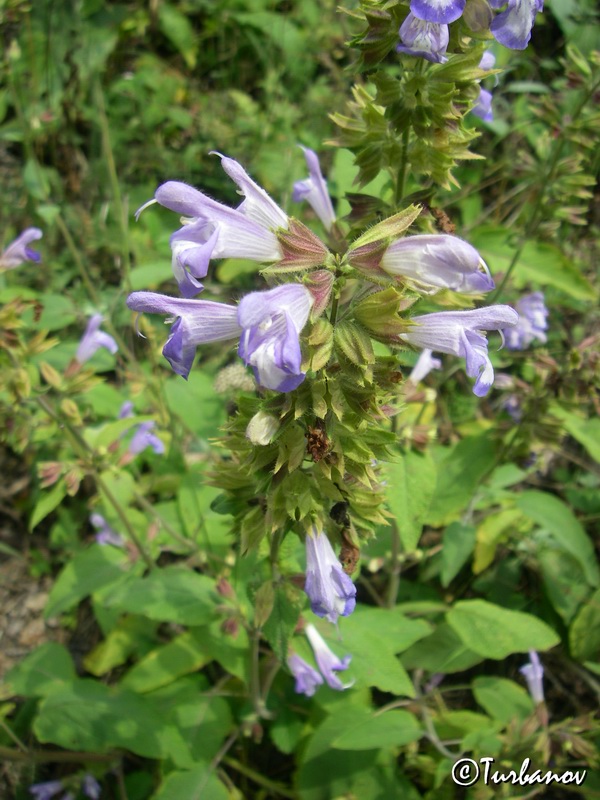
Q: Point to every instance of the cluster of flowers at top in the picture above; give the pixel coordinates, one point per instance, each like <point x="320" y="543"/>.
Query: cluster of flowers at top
<point x="425" y="32"/>
<point x="268" y="323"/>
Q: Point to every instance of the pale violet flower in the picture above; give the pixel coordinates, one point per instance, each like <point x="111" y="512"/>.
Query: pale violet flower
<point x="441" y="11"/>
<point x="425" y="363"/>
<point x="268" y="325"/>
<point x="460" y="333"/>
<point x="93" y="339"/>
<point x="330" y="590"/>
<point x="90" y="787"/>
<point x="327" y="661"/>
<point x="428" y="40"/>
<point x="46" y="790"/>
<point x="307" y="677"/>
<point x="213" y="230"/>
<point x="533" y="672"/>
<point x="512" y="27"/>
<point x="19" y="251"/>
<point x="314" y="190"/>
<point x="439" y="261"/>
<point x="483" y="106"/>
<point x="532" y="322"/>
<point x="104" y="533"/>
<point x="143" y="436"/>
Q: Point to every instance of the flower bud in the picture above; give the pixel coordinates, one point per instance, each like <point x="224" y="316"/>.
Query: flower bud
<point x="262" y="428"/>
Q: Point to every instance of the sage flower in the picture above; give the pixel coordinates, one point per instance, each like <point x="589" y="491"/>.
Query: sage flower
<point x="532" y="322"/>
<point x="46" y="790"/>
<point x="439" y="261"/>
<point x="90" y="787"/>
<point x="330" y="590"/>
<point x="512" y="27"/>
<point x="427" y="40"/>
<point x="19" y="251"/>
<point x="93" y="339"/>
<point x="423" y="367"/>
<point x="143" y="436"/>
<point x="105" y="534"/>
<point x="213" y="230"/>
<point x="307" y="677"/>
<point x="268" y="325"/>
<point x="460" y="333"/>
<point x="533" y="672"/>
<point x="314" y="190"/>
<point x="440" y="11"/>
<point x="327" y="661"/>
<point x="483" y="106"/>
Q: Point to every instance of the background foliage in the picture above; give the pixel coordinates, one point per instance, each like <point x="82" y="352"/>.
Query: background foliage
<point x="161" y="671"/>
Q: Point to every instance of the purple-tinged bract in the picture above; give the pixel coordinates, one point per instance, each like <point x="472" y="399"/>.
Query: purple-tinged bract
<point x="314" y="190"/>
<point x="330" y="590"/>
<point x="460" y="333"/>
<point x="93" y="339"/>
<point x="19" y="251"/>
<point x="427" y="40"/>
<point x="532" y="322"/>
<point x="438" y="261"/>
<point x="440" y="11"/>
<point x="327" y="661"/>
<point x="307" y="677"/>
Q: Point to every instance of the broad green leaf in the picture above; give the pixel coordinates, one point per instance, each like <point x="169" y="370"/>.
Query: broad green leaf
<point x="584" y="633"/>
<point x="585" y="431"/>
<point x="196" y="402"/>
<point x="59" y="311"/>
<point x="564" y="581"/>
<point x="88" y="571"/>
<point x="410" y="488"/>
<point x="458" y="542"/>
<point x="552" y="514"/>
<point x="442" y="651"/>
<point x="47" y="503"/>
<point x="490" y="533"/>
<point x="150" y="275"/>
<point x="496" y="632"/>
<point x="87" y="715"/>
<point x="503" y="700"/>
<point x="287" y="605"/>
<point x="173" y="594"/>
<point x="198" y="783"/>
<point x="131" y="635"/>
<point x="165" y="664"/>
<point x="177" y="27"/>
<point x="391" y="729"/>
<point x="41" y="672"/>
<point x="459" y="472"/>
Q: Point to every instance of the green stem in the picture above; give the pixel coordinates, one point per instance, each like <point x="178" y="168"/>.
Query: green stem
<point x="258" y="778"/>
<point x="56" y="756"/>
<point x="77" y="259"/>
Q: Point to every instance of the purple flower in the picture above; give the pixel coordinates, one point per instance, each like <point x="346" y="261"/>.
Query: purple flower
<point x="327" y="661"/>
<point x="330" y="590"/>
<point x="533" y="673"/>
<point x="423" y="367"/>
<point x="47" y="790"/>
<point x="532" y="322"/>
<point x="143" y="438"/>
<point x="90" y="787"/>
<point x="18" y="251"/>
<point x="512" y="405"/>
<point x="440" y="11"/>
<point x="483" y="106"/>
<point x="105" y="534"/>
<point x="314" y="190"/>
<point x="438" y="261"/>
<point x="268" y="324"/>
<point x="93" y="339"/>
<point x="459" y="333"/>
<point x="213" y="230"/>
<point x="126" y="410"/>
<point x="307" y="677"/>
<point x="425" y="39"/>
<point x="512" y="27"/>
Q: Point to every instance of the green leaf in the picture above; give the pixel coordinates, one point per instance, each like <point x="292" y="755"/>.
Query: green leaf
<point x="47" y="503"/>
<point x="287" y="605"/>
<point x="540" y="263"/>
<point x="443" y="651"/>
<point x="458" y="542"/>
<point x="93" y="568"/>
<point x="552" y="514"/>
<point x="584" y="633"/>
<point x="369" y="731"/>
<point x="503" y="700"/>
<point x="459" y="472"/>
<point x="58" y="312"/>
<point x="173" y="594"/>
<point x="179" y="30"/>
<point x="585" y="431"/>
<point x="186" y="398"/>
<point x="496" y="632"/>
<point x="87" y="715"/>
<point x="564" y="581"/>
<point x="131" y="635"/>
<point x="165" y="664"/>
<point x="149" y="276"/>
<point x="410" y="488"/>
<point x="198" y="783"/>
<point x="41" y="672"/>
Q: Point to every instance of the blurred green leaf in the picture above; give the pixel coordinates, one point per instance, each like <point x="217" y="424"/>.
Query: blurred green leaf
<point x="411" y="483"/>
